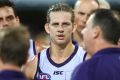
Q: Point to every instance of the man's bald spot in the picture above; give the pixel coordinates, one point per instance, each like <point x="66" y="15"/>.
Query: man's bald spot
<point x="78" y="2"/>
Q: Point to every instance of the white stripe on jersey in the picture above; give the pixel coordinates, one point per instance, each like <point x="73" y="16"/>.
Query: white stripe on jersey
<point x="31" y="49"/>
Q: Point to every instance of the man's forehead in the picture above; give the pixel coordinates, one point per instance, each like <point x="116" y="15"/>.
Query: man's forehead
<point x="87" y="7"/>
<point x="91" y="3"/>
<point x="84" y="3"/>
<point x="6" y="8"/>
<point x="60" y="16"/>
<point x="60" y="13"/>
<point x="6" y="11"/>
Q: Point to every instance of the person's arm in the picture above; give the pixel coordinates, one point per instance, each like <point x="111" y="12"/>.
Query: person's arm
<point x="30" y="68"/>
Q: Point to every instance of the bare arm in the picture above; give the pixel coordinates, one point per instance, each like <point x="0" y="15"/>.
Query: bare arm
<point x="30" y="68"/>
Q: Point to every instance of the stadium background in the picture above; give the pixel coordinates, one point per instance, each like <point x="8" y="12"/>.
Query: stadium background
<point x="33" y="12"/>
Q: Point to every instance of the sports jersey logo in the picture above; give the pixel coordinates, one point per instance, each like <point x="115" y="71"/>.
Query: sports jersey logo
<point x="58" y="73"/>
<point x="44" y="76"/>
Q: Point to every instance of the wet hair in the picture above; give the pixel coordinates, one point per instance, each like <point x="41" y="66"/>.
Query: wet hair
<point x="60" y="7"/>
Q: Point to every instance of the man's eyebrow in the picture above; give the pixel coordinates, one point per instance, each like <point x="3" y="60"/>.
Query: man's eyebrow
<point x="10" y="16"/>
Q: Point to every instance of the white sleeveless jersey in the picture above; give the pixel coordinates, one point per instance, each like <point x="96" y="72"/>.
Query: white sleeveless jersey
<point x="48" y="70"/>
<point x="31" y="50"/>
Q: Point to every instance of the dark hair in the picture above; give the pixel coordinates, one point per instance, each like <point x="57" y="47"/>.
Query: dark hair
<point x="8" y="3"/>
<point x="14" y="45"/>
<point x="109" y="25"/>
<point x="60" y="7"/>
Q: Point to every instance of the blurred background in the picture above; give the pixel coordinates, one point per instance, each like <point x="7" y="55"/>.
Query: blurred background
<point x="33" y="12"/>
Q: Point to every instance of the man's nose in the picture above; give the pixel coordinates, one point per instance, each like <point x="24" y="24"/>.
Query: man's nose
<point x="60" y="29"/>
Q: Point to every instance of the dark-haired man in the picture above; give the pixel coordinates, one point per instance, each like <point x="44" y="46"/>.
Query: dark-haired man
<point x="14" y="45"/>
<point x="100" y="37"/>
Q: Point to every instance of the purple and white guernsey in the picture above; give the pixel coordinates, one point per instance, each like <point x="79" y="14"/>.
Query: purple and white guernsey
<point x="32" y="50"/>
<point x="49" y="70"/>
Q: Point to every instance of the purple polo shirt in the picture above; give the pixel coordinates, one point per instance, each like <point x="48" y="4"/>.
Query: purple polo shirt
<point x="12" y="75"/>
<point x="104" y="65"/>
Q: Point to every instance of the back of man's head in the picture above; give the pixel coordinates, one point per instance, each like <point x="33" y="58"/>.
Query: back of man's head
<point x="14" y="45"/>
<point x="104" y="4"/>
<point x="108" y="23"/>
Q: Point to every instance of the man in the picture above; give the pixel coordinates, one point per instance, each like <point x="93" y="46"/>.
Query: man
<point x="14" y="45"/>
<point x="8" y="15"/>
<point x="100" y="37"/>
<point x="59" y="60"/>
<point x="9" y="18"/>
<point x="82" y="10"/>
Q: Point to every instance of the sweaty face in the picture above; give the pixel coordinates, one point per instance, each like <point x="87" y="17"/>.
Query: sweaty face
<point x="83" y="10"/>
<point x="60" y="27"/>
<point x="7" y="17"/>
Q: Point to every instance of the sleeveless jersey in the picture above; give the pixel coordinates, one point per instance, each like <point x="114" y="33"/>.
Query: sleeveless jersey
<point x="47" y="69"/>
<point x="32" y="50"/>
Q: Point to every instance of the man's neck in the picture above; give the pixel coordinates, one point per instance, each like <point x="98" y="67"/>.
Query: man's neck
<point x="78" y="38"/>
<point x="9" y="67"/>
<point x="102" y="45"/>
<point x="60" y="54"/>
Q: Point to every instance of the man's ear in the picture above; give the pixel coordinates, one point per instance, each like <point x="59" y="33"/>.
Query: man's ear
<point x="96" y="31"/>
<point x="47" y="28"/>
<point x="17" y="19"/>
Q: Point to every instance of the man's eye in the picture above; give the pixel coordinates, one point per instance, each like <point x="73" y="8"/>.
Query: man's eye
<point x="66" y="24"/>
<point x="81" y="13"/>
<point x="10" y="18"/>
<point x="1" y="19"/>
<point x="55" y="24"/>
